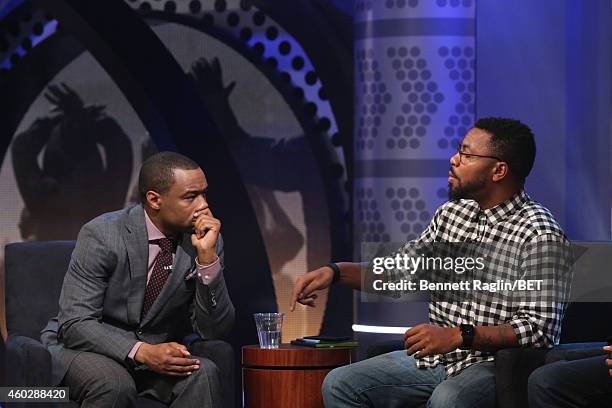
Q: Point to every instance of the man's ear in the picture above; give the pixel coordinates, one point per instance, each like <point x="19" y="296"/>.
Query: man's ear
<point x="500" y="171"/>
<point x="153" y="199"/>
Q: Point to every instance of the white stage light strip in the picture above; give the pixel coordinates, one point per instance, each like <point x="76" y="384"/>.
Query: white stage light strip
<point x="362" y="328"/>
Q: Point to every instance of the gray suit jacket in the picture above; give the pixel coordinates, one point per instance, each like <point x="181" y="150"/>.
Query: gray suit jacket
<point x="103" y="291"/>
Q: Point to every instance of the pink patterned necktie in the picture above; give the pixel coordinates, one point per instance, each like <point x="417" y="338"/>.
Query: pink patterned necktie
<point x="161" y="271"/>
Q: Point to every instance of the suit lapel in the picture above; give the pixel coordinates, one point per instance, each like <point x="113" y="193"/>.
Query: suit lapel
<point x="183" y="263"/>
<point x="137" y="244"/>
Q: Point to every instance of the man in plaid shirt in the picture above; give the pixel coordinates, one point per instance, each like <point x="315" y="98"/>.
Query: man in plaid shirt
<point x="449" y="362"/>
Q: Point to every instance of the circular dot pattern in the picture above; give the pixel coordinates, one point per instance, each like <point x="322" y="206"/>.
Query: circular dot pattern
<point x="375" y="98"/>
<point x="20" y="29"/>
<point x="372" y="229"/>
<point x="422" y="97"/>
<point x="267" y="41"/>
<point x="367" y="5"/>
<point x="460" y="65"/>
<point x="455" y="3"/>
<point x="401" y="4"/>
<point x="361" y="6"/>
<point x="409" y="210"/>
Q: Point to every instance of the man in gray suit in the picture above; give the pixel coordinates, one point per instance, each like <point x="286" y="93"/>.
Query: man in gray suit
<point x="140" y="279"/>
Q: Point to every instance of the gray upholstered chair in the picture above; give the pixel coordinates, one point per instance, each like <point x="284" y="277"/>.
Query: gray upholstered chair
<point x="34" y="273"/>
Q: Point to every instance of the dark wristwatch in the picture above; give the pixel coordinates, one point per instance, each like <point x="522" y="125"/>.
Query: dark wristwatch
<point x="468" y="333"/>
<point x="336" y="270"/>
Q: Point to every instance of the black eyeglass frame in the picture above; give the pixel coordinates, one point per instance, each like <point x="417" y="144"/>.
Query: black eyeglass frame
<point x="476" y="155"/>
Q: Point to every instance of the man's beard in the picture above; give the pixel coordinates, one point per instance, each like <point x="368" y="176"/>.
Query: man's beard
<point x="466" y="191"/>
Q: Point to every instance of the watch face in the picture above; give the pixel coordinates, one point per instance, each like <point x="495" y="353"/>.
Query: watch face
<point x="467" y="332"/>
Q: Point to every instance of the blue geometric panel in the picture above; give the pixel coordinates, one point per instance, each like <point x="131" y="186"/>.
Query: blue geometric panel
<point x="395" y="210"/>
<point x="374" y="97"/>
<point x="460" y="63"/>
<point x="421" y="97"/>
<point x="415" y="89"/>
<point x="415" y="96"/>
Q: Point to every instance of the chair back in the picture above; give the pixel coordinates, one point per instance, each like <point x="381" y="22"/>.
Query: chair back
<point x="34" y="273"/>
<point x="587" y="318"/>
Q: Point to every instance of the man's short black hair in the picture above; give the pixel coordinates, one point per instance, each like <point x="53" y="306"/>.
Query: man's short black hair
<point x="157" y="172"/>
<point x="513" y="142"/>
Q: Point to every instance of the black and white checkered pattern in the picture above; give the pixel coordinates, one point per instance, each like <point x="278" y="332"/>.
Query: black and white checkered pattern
<point x="526" y="238"/>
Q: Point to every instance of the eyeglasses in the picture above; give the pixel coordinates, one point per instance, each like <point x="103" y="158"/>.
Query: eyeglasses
<point x="463" y="156"/>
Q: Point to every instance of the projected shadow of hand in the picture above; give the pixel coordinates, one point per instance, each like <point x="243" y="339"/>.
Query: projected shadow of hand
<point x="265" y="163"/>
<point x="208" y="80"/>
<point x="86" y="167"/>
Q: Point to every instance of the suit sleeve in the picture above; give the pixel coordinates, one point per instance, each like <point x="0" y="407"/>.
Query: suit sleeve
<point x="213" y="313"/>
<point x="81" y="300"/>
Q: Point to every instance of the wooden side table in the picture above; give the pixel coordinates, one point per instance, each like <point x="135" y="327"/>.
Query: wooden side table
<point x="290" y="376"/>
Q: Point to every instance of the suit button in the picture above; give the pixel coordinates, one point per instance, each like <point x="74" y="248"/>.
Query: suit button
<point x="139" y="332"/>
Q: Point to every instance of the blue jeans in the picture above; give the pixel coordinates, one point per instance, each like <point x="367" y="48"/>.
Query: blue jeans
<point x="393" y="380"/>
<point x="571" y="384"/>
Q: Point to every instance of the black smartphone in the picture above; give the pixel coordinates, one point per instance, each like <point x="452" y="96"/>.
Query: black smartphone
<point x="329" y="338"/>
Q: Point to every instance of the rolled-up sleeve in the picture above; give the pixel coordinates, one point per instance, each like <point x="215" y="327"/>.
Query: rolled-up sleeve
<point x="537" y="316"/>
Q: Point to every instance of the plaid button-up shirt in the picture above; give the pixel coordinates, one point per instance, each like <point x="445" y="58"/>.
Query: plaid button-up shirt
<point x="539" y="245"/>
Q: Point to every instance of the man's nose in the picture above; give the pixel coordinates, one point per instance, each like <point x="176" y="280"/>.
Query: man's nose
<point x="454" y="160"/>
<point x="202" y="203"/>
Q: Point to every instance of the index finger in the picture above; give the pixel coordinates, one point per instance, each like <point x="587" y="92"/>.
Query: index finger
<point x="299" y="285"/>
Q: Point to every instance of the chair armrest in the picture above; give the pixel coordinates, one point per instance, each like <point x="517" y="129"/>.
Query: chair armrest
<point x="512" y="369"/>
<point x="222" y="354"/>
<point x="29" y="362"/>
<point x="575" y="351"/>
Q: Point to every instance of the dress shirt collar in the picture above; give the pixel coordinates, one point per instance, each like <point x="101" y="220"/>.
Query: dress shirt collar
<point x="153" y="232"/>
<point x="504" y="210"/>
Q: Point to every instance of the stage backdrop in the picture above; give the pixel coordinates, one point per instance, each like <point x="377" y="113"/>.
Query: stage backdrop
<point x="75" y="141"/>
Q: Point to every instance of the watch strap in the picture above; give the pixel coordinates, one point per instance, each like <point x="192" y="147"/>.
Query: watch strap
<point x="336" y="270"/>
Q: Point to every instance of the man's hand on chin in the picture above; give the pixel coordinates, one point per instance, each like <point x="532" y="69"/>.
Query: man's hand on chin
<point x="207" y="229"/>
<point x="167" y="358"/>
